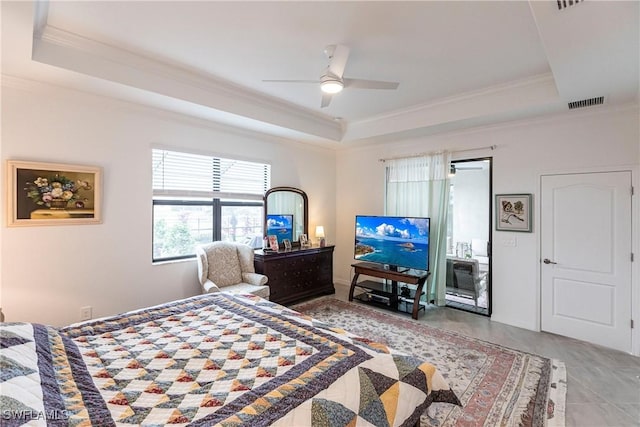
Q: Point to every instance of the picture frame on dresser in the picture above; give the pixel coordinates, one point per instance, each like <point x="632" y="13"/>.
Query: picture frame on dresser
<point x="273" y="242"/>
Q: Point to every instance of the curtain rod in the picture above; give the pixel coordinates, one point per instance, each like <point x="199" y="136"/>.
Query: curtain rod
<point x="491" y="147"/>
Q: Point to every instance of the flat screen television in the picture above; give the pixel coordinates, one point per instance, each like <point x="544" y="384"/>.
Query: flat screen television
<point x="394" y="241"/>
<point x="280" y="226"/>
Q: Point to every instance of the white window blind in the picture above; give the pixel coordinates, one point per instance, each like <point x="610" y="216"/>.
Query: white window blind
<point x="178" y="174"/>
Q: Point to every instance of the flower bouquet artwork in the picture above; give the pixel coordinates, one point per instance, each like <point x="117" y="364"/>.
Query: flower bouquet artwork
<point x="51" y="193"/>
<point x="57" y="192"/>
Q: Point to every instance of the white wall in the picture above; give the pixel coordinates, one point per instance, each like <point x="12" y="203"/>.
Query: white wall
<point x="581" y="140"/>
<point x="48" y="273"/>
<point x="636" y="271"/>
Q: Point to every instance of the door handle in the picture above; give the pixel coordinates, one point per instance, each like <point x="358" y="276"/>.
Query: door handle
<point x="548" y="261"/>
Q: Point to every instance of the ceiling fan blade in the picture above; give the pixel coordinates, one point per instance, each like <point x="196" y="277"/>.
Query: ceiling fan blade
<point x="291" y="81"/>
<point x="326" y="99"/>
<point x="338" y="55"/>
<point x="369" y="84"/>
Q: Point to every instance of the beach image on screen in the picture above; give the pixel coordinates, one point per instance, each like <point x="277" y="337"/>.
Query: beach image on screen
<point x="280" y="226"/>
<point x="395" y="241"/>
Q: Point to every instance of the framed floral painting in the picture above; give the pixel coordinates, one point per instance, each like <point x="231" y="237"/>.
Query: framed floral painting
<point x="52" y="194"/>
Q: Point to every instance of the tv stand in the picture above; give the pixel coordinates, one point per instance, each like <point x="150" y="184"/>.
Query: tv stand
<point x="384" y="295"/>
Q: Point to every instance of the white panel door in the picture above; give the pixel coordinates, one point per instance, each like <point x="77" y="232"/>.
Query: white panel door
<point x="586" y="257"/>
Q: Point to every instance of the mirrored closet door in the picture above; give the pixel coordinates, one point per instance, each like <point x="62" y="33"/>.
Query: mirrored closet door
<point x="469" y="236"/>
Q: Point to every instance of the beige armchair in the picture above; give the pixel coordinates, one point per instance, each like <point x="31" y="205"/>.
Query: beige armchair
<point x="229" y="266"/>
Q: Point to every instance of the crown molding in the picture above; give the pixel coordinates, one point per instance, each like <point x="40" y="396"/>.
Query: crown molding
<point x="14" y="82"/>
<point x="541" y="79"/>
<point x="508" y="99"/>
<point x="61" y="48"/>
<point x="560" y="114"/>
<point x="40" y="88"/>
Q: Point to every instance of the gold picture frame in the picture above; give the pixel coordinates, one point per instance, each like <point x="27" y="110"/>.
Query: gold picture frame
<point x="53" y="194"/>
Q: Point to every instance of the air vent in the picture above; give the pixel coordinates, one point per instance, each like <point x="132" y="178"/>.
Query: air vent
<point x="563" y="4"/>
<point x="586" y="103"/>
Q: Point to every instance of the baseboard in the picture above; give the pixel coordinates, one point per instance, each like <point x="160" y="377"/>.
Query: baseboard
<point x="510" y="322"/>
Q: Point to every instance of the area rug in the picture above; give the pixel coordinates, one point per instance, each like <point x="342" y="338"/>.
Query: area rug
<point x="497" y="386"/>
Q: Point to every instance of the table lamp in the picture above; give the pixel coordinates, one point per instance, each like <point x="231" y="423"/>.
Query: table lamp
<point x="320" y="235"/>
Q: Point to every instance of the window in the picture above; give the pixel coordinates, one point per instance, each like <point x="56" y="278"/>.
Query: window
<point x="199" y="199"/>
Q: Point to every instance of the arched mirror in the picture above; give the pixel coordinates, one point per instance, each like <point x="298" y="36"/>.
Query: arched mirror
<point x="286" y="207"/>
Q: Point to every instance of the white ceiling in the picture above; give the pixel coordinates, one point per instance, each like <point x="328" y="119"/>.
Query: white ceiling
<point x="459" y="63"/>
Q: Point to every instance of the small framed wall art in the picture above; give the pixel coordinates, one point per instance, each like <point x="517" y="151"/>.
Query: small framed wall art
<point x="53" y="194"/>
<point x="513" y="212"/>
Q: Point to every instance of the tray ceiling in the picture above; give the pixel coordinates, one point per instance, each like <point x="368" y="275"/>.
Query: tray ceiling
<point x="459" y="64"/>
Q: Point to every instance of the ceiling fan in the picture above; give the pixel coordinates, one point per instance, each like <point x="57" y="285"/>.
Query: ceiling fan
<point x="332" y="81"/>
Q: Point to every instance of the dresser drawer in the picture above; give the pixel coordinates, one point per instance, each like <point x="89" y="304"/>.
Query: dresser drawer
<point x="297" y="274"/>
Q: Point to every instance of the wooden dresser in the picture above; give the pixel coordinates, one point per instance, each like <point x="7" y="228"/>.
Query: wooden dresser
<point x="297" y="274"/>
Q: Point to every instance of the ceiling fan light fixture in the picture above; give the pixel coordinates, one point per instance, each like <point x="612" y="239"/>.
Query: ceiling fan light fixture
<point x="331" y="86"/>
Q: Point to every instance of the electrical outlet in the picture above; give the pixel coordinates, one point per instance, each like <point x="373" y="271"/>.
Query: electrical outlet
<point x="86" y="313"/>
<point x="509" y="241"/>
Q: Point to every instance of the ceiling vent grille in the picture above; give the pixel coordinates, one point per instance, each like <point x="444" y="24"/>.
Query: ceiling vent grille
<point x="563" y="4"/>
<point x="586" y="103"/>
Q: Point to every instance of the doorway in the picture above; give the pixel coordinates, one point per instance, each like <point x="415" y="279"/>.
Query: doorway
<point x="585" y="252"/>
<point x="469" y="236"/>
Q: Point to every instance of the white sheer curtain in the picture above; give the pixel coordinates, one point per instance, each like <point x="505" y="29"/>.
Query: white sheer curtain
<point x="419" y="186"/>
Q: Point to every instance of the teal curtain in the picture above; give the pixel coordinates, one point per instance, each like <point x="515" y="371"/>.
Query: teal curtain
<point x="419" y="186"/>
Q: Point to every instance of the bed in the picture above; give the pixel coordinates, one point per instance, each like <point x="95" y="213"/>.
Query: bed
<point x="215" y="359"/>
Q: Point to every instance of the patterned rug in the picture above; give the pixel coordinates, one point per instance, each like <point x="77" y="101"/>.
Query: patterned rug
<point x="497" y="386"/>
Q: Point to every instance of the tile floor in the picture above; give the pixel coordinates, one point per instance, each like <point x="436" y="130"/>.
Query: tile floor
<point x="603" y="385"/>
<point x="467" y="304"/>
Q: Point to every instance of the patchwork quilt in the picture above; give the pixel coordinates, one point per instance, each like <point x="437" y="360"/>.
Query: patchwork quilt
<point x="215" y="359"/>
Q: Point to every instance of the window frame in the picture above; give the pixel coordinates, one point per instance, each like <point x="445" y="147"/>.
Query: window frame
<point x="216" y="204"/>
<point x="217" y="197"/>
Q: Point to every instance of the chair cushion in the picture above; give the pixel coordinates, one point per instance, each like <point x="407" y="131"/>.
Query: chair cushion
<point x="246" y="288"/>
<point x="224" y="266"/>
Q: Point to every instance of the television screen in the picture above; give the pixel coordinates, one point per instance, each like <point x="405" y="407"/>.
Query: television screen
<point x="280" y="226"/>
<point x="392" y="240"/>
